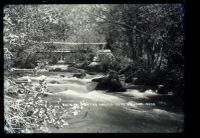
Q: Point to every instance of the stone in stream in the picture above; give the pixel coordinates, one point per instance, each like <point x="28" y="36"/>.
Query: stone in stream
<point x="95" y="67"/>
<point x="110" y="83"/>
<point x="162" y="89"/>
<point x="98" y="79"/>
<point x="62" y="76"/>
<point x="79" y="75"/>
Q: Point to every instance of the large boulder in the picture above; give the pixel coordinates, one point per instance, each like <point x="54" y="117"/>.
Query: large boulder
<point x="96" y="67"/>
<point x="110" y="83"/>
<point x="93" y="64"/>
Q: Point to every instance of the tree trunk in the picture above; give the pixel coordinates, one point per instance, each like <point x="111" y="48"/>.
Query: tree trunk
<point x="132" y="43"/>
<point x="135" y="42"/>
<point x="150" y="58"/>
<point x="161" y="57"/>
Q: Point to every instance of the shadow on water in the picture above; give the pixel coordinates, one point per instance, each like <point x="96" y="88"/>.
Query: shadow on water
<point x="164" y="102"/>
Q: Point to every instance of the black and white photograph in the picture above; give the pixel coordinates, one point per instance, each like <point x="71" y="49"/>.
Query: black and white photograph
<point x="93" y="68"/>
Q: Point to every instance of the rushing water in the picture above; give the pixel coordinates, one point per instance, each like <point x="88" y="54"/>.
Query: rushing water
<point x="110" y="112"/>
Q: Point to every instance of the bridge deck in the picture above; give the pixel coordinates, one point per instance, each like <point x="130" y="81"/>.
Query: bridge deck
<point x="68" y="43"/>
<point x="60" y="51"/>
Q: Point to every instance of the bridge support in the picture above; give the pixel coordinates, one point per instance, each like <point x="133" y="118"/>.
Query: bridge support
<point x="61" y="59"/>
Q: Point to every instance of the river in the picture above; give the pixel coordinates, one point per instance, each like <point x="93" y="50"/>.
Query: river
<point x="121" y="112"/>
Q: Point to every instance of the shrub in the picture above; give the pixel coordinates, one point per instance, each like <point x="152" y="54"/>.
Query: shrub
<point x="26" y="111"/>
<point x="7" y="59"/>
<point x="108" y="61"/>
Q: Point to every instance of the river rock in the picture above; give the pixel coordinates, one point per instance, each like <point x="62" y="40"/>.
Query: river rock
<point x="98" y="79"/>
<point x="110" y="83"/>
<point x="95" y="67"/>
<point x="79" y="75"/>
<point x="162" y="90"/>
<point x="62" y="76"/>
<point x="93" y="64"/>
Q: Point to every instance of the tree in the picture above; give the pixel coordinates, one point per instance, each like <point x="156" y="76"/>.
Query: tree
<point x="145" y="30"/>
<point x="27" y="25"/>
<point x="152" y="36"/>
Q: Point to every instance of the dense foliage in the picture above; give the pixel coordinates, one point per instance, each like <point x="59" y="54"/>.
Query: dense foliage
<point x="151" y="37"/>
<point x="25" y="108"/>
<point x="27" y="25"/>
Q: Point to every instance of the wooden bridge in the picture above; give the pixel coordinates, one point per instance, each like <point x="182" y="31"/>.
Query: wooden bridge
<point x="62" y="48"/>
<point x="68" y="46"/>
